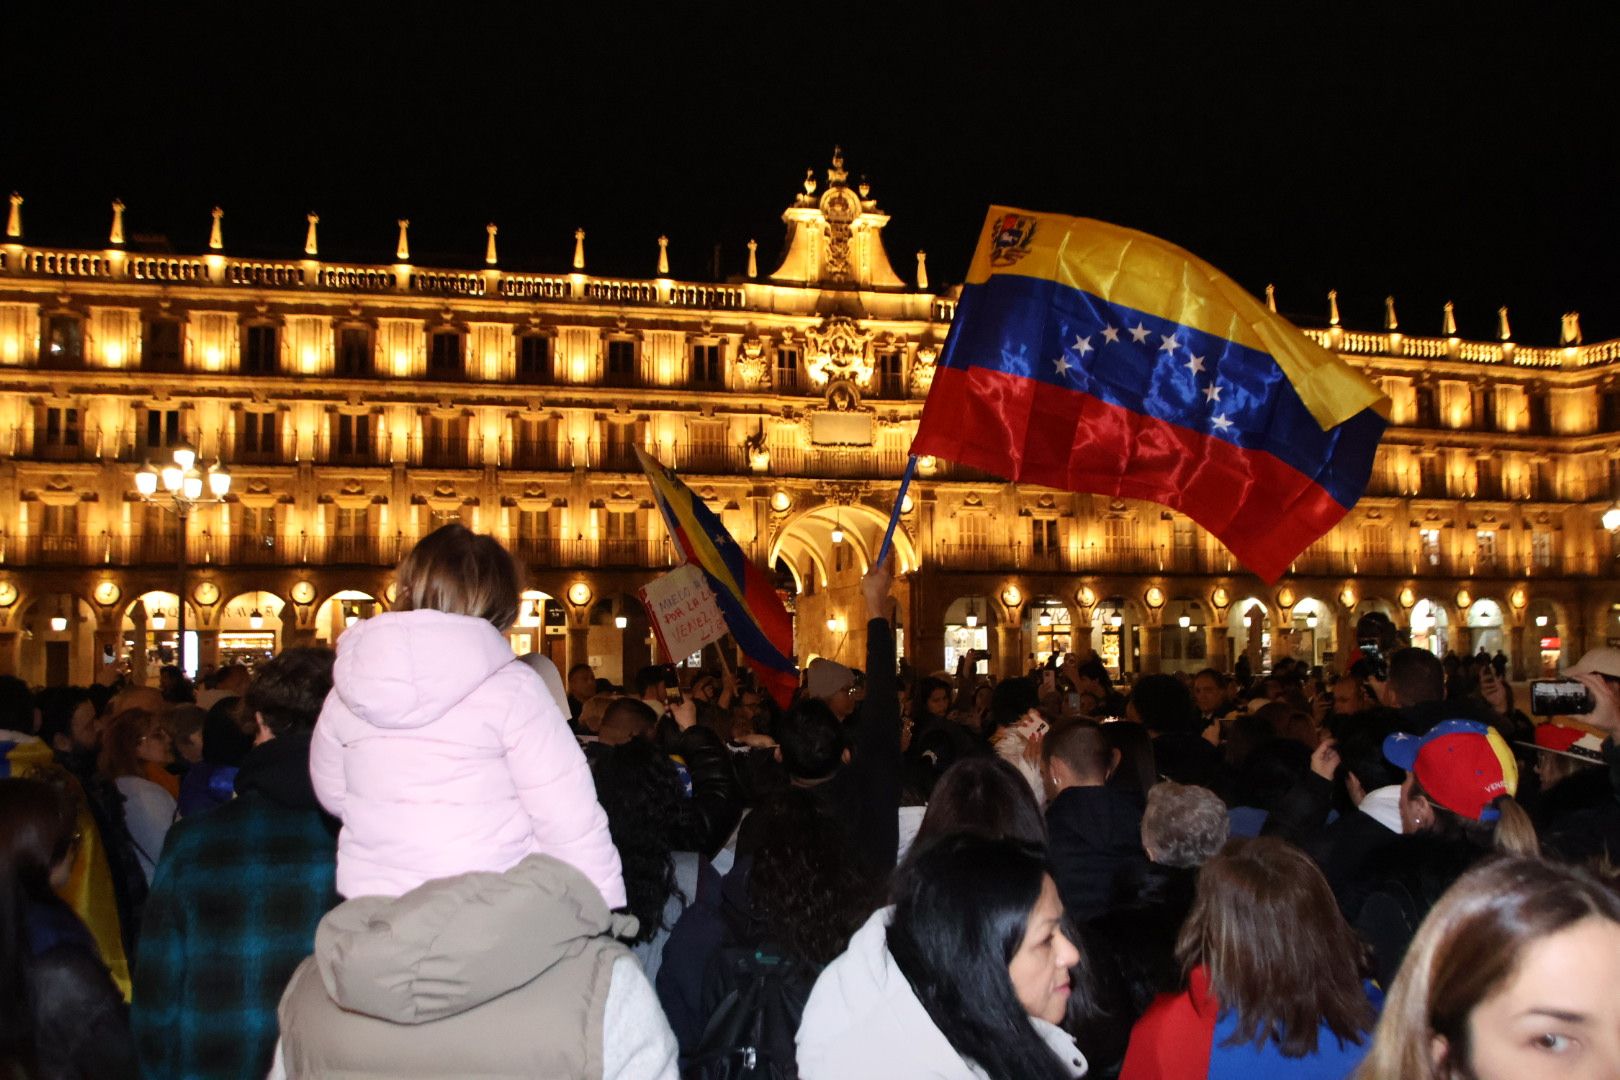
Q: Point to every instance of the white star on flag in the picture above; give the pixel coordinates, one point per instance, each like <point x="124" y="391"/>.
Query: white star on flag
<point x="1111" y="334"/>
<point x="1082" y="345"/>
<point x="1196" y="364"/>
<point x="1170" y="343"/>
<point x="1139" y="333"/>
<point x="1062" y="365"/>
<point x="1212" y="393"/>
<point x="1221" y="422"/>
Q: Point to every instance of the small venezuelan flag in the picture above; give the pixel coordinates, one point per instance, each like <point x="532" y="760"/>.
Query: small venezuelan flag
<point x="1095" y="358"/>
<point x="747" y="598"/>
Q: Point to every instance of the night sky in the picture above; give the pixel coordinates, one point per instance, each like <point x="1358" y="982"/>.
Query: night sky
<point x="1431" y="150"/>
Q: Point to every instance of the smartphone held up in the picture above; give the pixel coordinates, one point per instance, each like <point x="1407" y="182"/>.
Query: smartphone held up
<point x="1560" y="697"/>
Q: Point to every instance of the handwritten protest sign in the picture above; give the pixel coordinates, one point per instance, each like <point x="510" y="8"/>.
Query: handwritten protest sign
<point x="682" y="609"/>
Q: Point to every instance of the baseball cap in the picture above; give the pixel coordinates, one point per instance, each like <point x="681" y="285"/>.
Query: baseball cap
<point x="1604" y="660"/>
<point x="1462" y="764"/>
<point x="1571" y="738"/>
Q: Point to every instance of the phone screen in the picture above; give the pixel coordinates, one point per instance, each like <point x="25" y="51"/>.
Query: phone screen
<point x="672" y="687"/>
<point x="1559" y="697"/>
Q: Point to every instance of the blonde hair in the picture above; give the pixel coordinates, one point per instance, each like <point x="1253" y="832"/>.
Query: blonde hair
<point x="458" y="571"/>
<point x="594" y="709"/>
<point x="1468" y="947"/>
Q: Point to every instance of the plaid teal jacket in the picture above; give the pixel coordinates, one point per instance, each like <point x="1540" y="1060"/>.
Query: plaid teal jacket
<point x="232" y="912"/>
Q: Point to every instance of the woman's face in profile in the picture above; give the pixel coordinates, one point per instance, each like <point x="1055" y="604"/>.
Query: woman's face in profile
<point x="1558" y="1015"/>
<point x="1040" y="968"/>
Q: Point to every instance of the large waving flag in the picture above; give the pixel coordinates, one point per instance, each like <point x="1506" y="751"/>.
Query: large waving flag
<point x="753" y="611"/>
<point x="1090" y="357"/>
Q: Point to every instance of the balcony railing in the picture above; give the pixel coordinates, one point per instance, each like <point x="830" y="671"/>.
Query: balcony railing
<point x="612" y="456"/>
<point x="533" y="454"/>
<point x="85" y="445"/>
<point x="446" y="452"/>
<point x="547" y="551"/>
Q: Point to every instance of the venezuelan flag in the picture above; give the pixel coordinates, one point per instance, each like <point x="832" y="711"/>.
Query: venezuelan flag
<point x="1091" y="357"/>
<point x="747" y="598"/>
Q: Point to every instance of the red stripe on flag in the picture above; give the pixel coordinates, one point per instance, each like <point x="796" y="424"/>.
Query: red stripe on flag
<point x="1264" y="510"/>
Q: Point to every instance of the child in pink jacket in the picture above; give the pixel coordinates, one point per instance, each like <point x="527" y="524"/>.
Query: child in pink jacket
<point x="439" y="750"/>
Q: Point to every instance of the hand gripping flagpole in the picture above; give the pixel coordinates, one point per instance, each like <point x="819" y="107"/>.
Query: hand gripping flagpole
<point x="894" y="515"/>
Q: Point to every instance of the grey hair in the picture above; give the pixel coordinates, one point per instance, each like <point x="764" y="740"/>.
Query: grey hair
<point x="1183" y="825"/>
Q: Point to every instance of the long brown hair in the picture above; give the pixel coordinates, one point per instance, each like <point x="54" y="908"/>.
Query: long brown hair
<point x="1268" y="932"/>
<point x="456" y="570"/>
<point x="121" y="741"/>
<point x="1469" y="945"/>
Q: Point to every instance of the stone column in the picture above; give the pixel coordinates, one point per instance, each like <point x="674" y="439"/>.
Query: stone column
<point x="579" y="644"/>
<point x="106" y="637"/>
<point x="297" y="636"/>
<point x="1516" y="664"/>
<point x="10" y="652"/>
<point x="1009" y="651"/>
<point x="1080" y="639"/>
<point x="207" y="650"/>
<point x="137" y="656"/>
<point x="925" y="634"/>
<point x="1344" y="638"/>
<point x="1215" y="647"/>
<point x="1152" y="646"/>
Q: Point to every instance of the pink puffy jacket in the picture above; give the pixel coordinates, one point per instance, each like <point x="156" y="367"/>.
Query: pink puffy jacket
<point x="444" y="755"/>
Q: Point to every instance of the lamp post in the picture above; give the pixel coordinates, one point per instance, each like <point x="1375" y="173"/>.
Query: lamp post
<point x="178" y="487"/>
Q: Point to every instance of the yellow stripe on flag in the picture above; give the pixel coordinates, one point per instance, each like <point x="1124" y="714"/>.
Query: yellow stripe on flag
<point x="1135" y="270"/>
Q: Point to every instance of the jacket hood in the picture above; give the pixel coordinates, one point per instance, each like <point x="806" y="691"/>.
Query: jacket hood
<point x="405" y="669"/>
<point x="455" y="943"/>
<point x="279" y="770"/>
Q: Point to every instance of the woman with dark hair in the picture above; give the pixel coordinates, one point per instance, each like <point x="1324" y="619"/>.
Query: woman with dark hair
<point x="985" y="796"/>
<point x="1271" y="969"/>
<point x="1138" y="770"/>
<point x="1511" y="975"/>
<point x="966" y="977"/>
<point x="135" y="744"/>
<point x="60" y="1014"/>
<point x="641" y="791"/>
<point x="794" y="900"/>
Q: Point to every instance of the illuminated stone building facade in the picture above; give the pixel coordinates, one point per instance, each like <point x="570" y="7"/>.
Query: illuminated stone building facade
<point x="358" y="407"/>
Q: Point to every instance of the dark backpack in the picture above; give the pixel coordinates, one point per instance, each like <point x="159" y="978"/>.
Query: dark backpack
<point x="754" y="998"/>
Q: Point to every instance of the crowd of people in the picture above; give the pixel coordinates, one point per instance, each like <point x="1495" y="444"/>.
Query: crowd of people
<point x="423" y="856"/>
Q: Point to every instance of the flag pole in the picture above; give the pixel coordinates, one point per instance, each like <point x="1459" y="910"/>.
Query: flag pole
<point x="894" y="515"/>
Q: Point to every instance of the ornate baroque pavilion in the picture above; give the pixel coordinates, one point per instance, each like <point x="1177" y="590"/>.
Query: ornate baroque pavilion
<point x="359" y="407"/>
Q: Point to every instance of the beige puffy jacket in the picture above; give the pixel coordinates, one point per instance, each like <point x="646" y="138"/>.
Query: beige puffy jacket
<point x="514" y="974"/>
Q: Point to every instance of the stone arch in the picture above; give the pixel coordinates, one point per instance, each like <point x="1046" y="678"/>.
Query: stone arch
<point x="1243" y="623"/>
<point x="862" y="527"/>
<point x="1313" y="622"/>
<point x="252" y="626"/>
<point x="340" y="610"/>
<point x="1429" y="624"/>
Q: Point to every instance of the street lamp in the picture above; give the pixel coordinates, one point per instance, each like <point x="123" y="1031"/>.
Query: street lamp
<point x="1611" y="518"/>
<point x="182" y="486"/>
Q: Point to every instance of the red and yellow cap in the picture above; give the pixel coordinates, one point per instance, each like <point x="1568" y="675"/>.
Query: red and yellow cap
<point x="1463" y="765"/>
